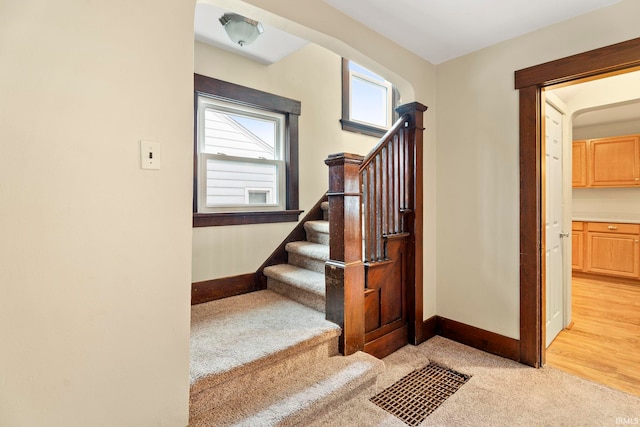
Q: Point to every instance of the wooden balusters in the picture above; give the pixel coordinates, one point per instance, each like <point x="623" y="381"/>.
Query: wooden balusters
<point x="386" y="181"/>
<point x="372" y="201"/>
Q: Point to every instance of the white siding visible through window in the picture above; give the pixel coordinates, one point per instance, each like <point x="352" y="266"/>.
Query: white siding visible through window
<point x="224" y="135"/>
<point x="228" y="182"/>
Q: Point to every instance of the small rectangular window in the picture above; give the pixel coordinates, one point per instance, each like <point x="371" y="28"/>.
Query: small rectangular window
<point x="259" y="196"/>
<point x="368" y="100"/>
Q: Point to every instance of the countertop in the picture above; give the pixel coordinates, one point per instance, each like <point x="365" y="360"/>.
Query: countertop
<point x="607" y="217"/>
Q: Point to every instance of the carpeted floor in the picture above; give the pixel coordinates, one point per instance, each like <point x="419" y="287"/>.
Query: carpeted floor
<point x="500" y="393"/>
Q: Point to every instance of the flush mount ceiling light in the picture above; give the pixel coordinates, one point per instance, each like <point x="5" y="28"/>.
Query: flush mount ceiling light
<point x="241" y="30"/>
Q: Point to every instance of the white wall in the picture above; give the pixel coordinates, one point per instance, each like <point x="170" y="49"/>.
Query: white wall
<point x="477" y="160"/>
<point x="605" y="130"/>
<point x="94" y="252"/>
<point x="312" y="76"/>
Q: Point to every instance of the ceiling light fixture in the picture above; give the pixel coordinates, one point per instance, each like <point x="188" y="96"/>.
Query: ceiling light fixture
<point x="241" y="30"/>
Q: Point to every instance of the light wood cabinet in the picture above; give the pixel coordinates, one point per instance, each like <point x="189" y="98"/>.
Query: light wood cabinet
<point x="611" y="249"/>
<point x="606" y="162"/>
<point x="614" y="162"/>
<point x="579" y="164"/>
<point x="577" y="246"/>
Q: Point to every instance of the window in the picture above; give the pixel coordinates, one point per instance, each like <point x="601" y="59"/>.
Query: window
<point x="368" y="101"/>
<point x="245" y="157"/>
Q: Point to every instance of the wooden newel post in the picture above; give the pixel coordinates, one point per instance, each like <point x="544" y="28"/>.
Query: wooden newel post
<point x="415" y="225"/>
<point x="345" y="270"/>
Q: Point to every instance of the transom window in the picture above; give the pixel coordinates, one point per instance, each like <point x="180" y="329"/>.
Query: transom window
<point x="368" y="100"/>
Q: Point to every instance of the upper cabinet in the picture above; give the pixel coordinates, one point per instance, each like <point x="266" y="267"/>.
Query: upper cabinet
<point x="579" y="161"/>
<point x="615" y="162"/>
<point x="607" y="162"/>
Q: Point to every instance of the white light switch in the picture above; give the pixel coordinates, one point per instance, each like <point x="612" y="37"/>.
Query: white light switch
<point x="150" y="155"/>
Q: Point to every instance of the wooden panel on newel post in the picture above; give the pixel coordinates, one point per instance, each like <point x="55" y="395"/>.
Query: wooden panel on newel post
<point x="415" y="226"/>
<point x="344" y="271"/>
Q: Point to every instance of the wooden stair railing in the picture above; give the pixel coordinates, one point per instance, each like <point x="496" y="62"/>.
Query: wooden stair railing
<point x="375" y="215"/>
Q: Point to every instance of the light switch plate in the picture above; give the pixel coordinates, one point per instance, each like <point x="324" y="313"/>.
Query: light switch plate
<point x="150" y="155"/>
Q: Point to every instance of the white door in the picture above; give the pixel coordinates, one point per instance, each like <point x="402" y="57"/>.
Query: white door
<point x="553" y="244"/>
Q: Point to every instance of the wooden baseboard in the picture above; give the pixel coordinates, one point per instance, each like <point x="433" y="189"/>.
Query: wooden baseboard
<point x="570" y="325"/>
<point x="470" y="335"/>
<point x="428" y="329"/>
<point x="211" y="290"/>
<point x="479" y="338"/>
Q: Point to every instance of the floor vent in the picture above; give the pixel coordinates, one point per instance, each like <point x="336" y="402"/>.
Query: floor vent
<point x="418" y="394"/>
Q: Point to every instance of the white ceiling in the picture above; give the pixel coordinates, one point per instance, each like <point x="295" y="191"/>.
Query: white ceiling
<point x="270" y="46"/>
<point x="436" y="30"/>
<point x="440" y="30"/>
<point x="608" y="114"/>
<point x="623" y="111"/>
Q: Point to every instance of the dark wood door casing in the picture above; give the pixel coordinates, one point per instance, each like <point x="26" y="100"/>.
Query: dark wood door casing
<point x="617" y="58"/>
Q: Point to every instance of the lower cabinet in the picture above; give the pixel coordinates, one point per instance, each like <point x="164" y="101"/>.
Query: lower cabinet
<point x="611" y="248"/>
<point x="577" y="245"/>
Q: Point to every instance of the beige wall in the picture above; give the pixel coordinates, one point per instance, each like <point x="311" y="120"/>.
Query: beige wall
<point x="95" y="252"/>
<point x="312" y="76"/>
<point x="477" y="160"/>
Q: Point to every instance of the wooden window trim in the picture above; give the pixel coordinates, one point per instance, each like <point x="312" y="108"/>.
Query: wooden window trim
<point x="357" y="127"/>
<point x="209" y="86"/>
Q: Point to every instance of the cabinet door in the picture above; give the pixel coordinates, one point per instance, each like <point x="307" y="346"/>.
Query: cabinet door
<point x="577" y="250"/>
<point x="579" y="164"/>
<point x="614" y="254"/>
<point x="614" y="162"/>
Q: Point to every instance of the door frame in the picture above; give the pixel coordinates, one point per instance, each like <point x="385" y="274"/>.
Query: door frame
<point x="613" y="59"/>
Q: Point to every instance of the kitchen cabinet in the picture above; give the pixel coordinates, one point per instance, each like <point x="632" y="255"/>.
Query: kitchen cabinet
<point x="577" y="246"/>
<point x="606" y="162"/>
<point x="615" y="162"/>
<point x="613" y="249"/>
<point x="579" y="164"/>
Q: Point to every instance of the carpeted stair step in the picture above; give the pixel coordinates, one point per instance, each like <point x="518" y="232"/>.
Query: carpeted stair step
<point x="298" y="399"/>
<point x="240" y="342"/>
<point x="308" y="255"/>
<point x="304" y="286"/>
<point x="317" y="231"/>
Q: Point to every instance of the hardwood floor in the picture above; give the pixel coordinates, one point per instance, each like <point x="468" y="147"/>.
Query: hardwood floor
<point x="603" y="344"/>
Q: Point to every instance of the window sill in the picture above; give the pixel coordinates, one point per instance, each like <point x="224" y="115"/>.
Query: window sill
<point x="244" y="218"/>
<point x="369" y="130"/>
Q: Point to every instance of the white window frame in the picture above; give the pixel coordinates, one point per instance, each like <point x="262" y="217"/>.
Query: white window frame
<point x="205" y="103"/>
<point x="259" y="190"/>
<point x="351" y="124"/>
<point x="388" y="87"/>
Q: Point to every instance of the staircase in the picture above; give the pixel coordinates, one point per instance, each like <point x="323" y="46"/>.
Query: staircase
<point x="302" y="278"/>
<point x="270" y="357"/>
